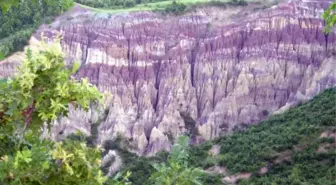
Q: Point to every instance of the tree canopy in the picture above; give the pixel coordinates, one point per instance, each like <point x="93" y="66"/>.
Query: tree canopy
<point x="40" y="92"/>
<point x="20" y="18"/>
<point x="177" y="170"/>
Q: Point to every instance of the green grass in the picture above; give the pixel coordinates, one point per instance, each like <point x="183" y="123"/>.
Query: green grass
<point x="146" y="7"/>
<point x="161" y="5"/>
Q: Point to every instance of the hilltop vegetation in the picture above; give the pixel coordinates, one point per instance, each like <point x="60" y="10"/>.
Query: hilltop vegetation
<point x="18" y="22"/>
<point x="115" y="3"/>
<point x="132" y="3"/>
<point x="165" y="6"/>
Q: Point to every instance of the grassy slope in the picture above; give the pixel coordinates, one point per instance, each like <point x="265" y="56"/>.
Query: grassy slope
<point x="144" y="7"/>
<point x="295" y="132"/>
<point x="152" y="6"/>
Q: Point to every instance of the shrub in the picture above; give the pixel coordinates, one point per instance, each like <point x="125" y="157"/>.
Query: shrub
<point x="18" y="24"/>
<point x="177" y="170"/>
<point x="41" y="92"/>
<point x="67" y="162"/>
<point x="175" y="8"/>
<point x="129" y="3"/>
<point x="238" y="2"/>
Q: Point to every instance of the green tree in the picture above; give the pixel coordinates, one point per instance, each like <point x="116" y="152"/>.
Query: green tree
<point x="20" y="18"/>
<point x="330" y="17"/>
<point x="175" y="8"/>
<point x="177" y="171"/>
<point x="41" y="92"/>
<point x="5" y="5"/>
<point x="46" y="162"/>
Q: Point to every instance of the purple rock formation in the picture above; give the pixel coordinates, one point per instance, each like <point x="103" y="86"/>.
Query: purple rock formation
<point x="166" y="73"/>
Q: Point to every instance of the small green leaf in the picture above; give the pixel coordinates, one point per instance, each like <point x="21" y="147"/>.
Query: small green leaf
<point x="2" y="56"/>
<point x="75" y="67"/>
<point x="46" y="165"/>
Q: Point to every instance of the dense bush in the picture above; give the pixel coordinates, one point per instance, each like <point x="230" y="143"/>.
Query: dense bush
<point x="163" y="167"/>
<point x="260" y="145"/>
<point x="45" y="162"/>
<point x="221" y="4"/>
<point x="238" y="2"/>
<point x="177" y="169"/>
<point x="129" y="3"/>
<point x="40" y="93"/>
<point x="279" y="133"/>
<point x="15" y="42"/>
<point x="175" y="8"/>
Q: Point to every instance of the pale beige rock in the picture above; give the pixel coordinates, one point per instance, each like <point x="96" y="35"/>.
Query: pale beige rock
<point x="217" y="170"/>
<point x="328" y="134"/>
<point x="263" y="170"/>
<point x="142" y="144"/>
<point x="215" y="150"/>
<point x="234" y="178"/>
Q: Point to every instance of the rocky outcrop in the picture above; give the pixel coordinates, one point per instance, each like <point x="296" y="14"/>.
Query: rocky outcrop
<point x="234" y="178"/>
<point x="223" y="72"/>
<point x="112" y="162"/>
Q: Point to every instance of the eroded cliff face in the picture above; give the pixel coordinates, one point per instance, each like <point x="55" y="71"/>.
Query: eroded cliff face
<point x="204" y="73"/>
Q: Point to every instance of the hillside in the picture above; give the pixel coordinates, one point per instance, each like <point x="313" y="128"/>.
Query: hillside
<point x="206" y="73"/>
<point x="296" y="147"/>
<point x="253" y="86"/>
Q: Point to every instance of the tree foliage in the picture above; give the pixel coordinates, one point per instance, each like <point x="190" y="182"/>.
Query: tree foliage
<point x="294" y="133"/>
<point x="238" y="2"/>
<point x="176" y="170"/>
<point x="6" y="4"/>
<point x="175" y="8"/>
<point x="20" y="18"/>
<point x="46" y="162"/>
<point x="114" y="3"/>
<point x="41" y="92"/>
<point x="330" y="17"/>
